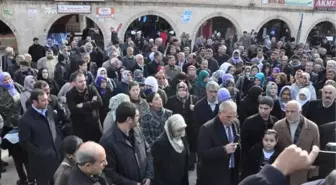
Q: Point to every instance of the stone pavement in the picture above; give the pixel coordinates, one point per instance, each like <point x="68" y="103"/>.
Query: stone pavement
<point x="10" y="176"/>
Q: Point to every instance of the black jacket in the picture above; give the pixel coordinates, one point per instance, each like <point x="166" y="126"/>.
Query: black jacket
<point x="37" y="52"/>
<point x="61" y="74"/>
<point x="77" y="177"/>
<point x="85" y="120"/>
<point x="213" y="158"/>
<point x="253" y="131"/>
<point x="127" y="164"/>
<point x="202" y="114"/>
<point x="254" y="160"/>
<point x="39" y="138"/>
<point x="178" y="107"/>
<point x="170" y="167"/>
<point x="315" y="112"/>
<point x="267" y="176"/>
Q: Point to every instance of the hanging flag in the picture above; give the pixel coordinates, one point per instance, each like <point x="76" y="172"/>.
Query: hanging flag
<point x="299" y="30"/>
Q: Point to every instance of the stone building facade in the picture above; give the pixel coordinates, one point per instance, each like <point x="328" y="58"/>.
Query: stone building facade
<point x="28" y="19"/>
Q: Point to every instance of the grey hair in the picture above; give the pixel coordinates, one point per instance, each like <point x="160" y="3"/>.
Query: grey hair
<point x="85" y="156"/>
<point x="229" y="104"/>
<point x="298" y="105"/>
<point x="138" y="56"/>
<point x="331" y="178"/>
<point x="212" y="84"/>
<point x="332" y="62"/>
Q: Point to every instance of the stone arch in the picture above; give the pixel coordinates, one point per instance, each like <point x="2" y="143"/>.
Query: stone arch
<point x="54" y="18"/>
<point x="311" y="26"/>
<point x="217" y="14"/>
<point x="13" y="29"/>
<point x="149" y="12"/>
<point x="279" y="17"/>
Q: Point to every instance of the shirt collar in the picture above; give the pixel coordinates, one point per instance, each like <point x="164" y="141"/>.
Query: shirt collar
<point x="41" y="111"/>
<point x="214" y="103"/>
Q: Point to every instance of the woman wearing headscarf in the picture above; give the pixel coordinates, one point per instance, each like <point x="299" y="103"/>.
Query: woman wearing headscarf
<point x="249" y="105"/>
<point x="29" y="82"/>
<point x="229" y="83"/>
<point x="303" y="82"/>
<point x="151" y="85"/>
<point x="217" y="76"/>
<point x="105" y="93"/>
<point x="43" y="74"/>
<point x="126" y="77"/>
<point x="286" y="94"/>
<point x="223" y="95"/>
<point x="10" y="110"/>
<point x="181" y="77"/>
<point x="259" y="80"/>
<point x="274" y="74"/>
<point x="114" y="102"/>
<point x="111" y="84"/>
<point x="237" y="61"/>
<point x="303" y="96"/>
<point x="183" y="103"/>
<point x="170" y="153"/>
<point x="152" y="122"/>
<point x="272" y="90"/>
<point x="224" y="67"/>
<point x="199" y="88"/>
<point x="138" y="76"/>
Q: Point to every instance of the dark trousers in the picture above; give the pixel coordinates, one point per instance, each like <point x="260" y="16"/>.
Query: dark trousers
<point x="20" y="160"/>
<point x="44" y="182"/>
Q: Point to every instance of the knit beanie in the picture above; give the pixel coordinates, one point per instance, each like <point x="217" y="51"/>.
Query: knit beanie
<point x="223" y="94"/>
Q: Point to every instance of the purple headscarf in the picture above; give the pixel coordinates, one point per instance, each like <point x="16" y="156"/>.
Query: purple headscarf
<point x="10" y="86"/>
<point x="99" y="81"/>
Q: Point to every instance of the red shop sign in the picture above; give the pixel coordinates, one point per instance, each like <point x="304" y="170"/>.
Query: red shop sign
<point x="325" y="5"/>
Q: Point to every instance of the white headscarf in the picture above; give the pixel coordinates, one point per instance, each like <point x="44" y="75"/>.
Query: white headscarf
<point x="172" y="125"/>
<point x="224" y="67"/>
<point x="306" y="92"/>
<point x="151" y="81"/>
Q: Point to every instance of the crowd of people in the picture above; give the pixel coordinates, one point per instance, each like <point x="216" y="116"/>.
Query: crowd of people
<point x="149" y="110"/>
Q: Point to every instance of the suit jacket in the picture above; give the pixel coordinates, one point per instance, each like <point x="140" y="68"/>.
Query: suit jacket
<point x="39" y="138"/>
<point x="214" y="160"/>
<point x="308" y="137"/>
<point x="127" y="164"/>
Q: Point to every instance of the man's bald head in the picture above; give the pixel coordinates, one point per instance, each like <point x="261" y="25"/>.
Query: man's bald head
<point x="294" y="105"/>
<point x="293" y="111"/>
<point x="88" y="152"/>
<point x="328" y="95"/>
<point x="228" y="105"/>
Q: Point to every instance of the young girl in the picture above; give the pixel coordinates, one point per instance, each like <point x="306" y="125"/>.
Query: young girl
<point x="261" y="155"/>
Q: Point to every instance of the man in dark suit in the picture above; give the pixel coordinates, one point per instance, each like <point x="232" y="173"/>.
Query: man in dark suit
<point x="39" y="138"/>
<point x="327" y="134"/>
<point x="218" y="149"/>
<point x="254" y="127"/>
<point x="128" y="156"/>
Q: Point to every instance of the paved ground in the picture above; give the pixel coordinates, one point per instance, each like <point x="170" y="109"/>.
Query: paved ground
<point x="10" y="176"/>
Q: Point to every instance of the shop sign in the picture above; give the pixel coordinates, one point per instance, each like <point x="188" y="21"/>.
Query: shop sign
<point x="8" y="11"/>
<point x="105" y="12"/>
<point x="308" y="3"/>
<point x="80" y="9"/>
<point x="80" y="0"/>
<point x="329" y="5"/>
<point x="186" y="16"/>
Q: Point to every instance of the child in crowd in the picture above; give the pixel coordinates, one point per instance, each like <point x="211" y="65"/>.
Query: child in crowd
<point x="261" y="154"/>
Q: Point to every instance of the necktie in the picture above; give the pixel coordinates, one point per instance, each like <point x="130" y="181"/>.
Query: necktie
<point x="231" y="140"/>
